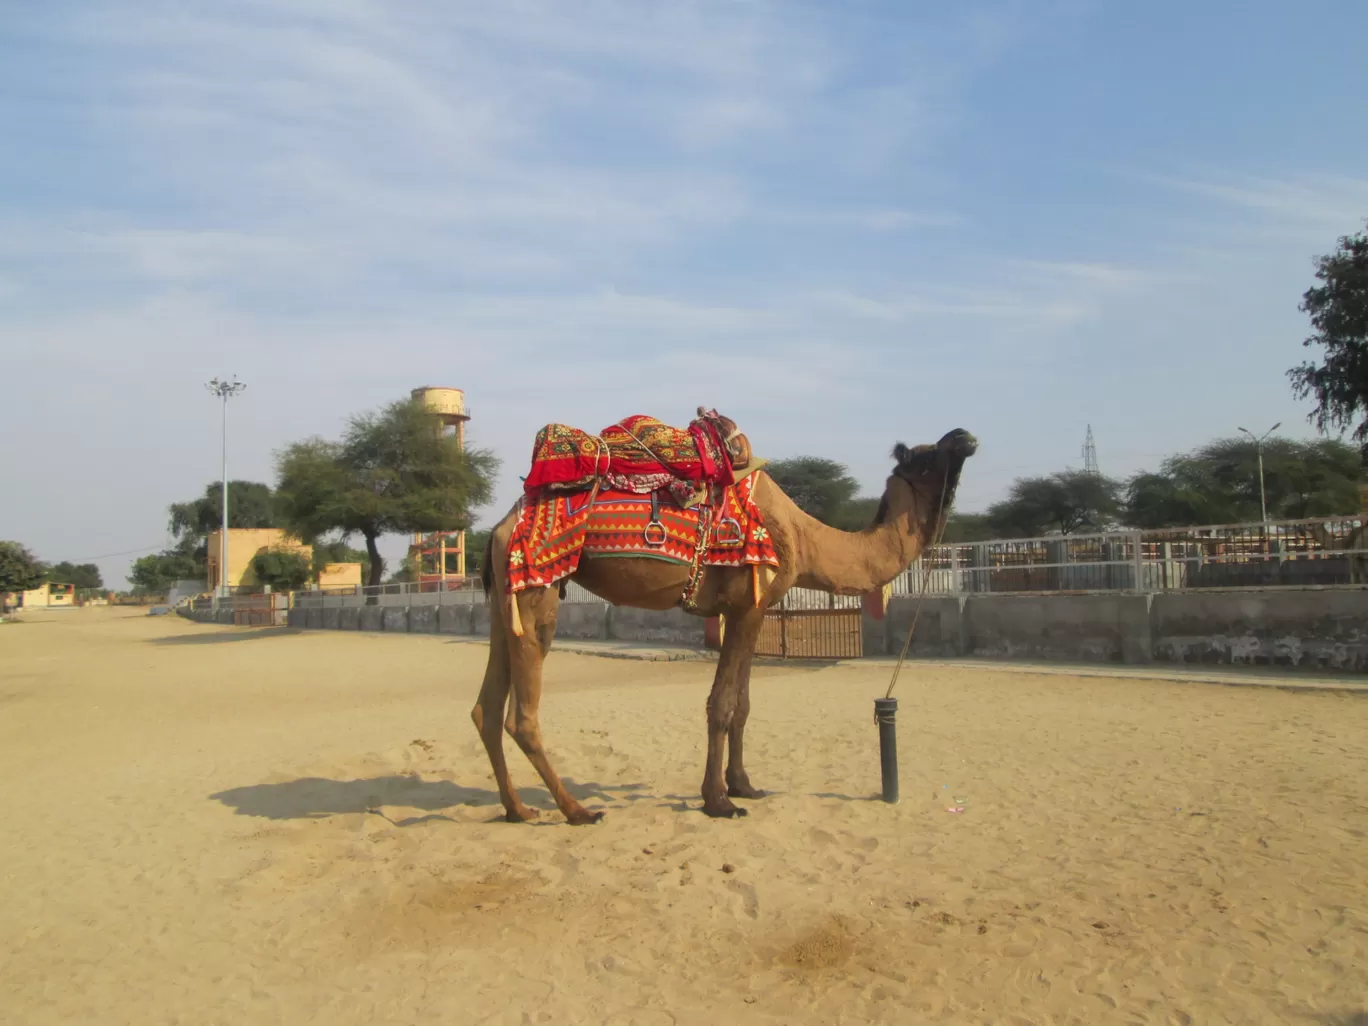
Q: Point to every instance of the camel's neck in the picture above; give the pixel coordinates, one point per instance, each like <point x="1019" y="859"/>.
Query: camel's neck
<point x="848" y="562"/>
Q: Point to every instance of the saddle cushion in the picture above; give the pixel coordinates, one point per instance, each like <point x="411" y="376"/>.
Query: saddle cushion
<point x="638" y="454"/>
<point x="554" y="531"/>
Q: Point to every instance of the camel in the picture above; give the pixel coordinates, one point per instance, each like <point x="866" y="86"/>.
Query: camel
<point x="917" y="498"/>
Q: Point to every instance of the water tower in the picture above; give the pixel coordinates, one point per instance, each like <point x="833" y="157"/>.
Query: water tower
<point x="441" y="554"/>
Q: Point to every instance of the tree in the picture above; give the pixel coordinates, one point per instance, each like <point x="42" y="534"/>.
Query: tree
<point x="85" y="576"/>
<point x="854" y="515"/>
<point x="1338" y="309"/>
<point x="1219" y="483"/>
<point x="250" y="504"/>
<point x="154" y="575"/>
<point x="476" y="543"/>
<point x="821" y="488"/>
<point x="19" y="569"/>
<point x="968" y="527"/>
<point x="1065" y="502"/>
<point x="282" y="569"/>
<point x="392" y="472"/>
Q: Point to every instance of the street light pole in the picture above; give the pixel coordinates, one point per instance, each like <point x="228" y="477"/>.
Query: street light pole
<point x="1258" y="448"/>
<point x="225" y="390"/>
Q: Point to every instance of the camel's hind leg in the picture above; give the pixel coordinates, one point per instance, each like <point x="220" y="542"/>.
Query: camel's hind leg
<point x="488" y="716"/>
<point x="526" y="655"/>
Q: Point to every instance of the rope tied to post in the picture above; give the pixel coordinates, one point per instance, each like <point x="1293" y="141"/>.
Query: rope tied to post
<point x="941" y="520"/>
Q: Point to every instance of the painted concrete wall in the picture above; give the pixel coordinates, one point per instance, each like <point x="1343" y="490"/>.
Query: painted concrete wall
<point x="591" y="620"/>
<point x="1313" y="628"/>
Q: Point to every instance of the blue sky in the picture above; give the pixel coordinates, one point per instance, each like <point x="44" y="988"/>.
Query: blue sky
<point x="842" y="224"/>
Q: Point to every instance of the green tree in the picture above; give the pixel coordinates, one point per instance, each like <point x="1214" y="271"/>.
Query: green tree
<point x="1338" y="309"/>
<point x="154" y="575"/>
<point x="1066" y="502"/>
<point x="282" y="569"/>
<point x="476" y="543"/>
<point x="1219" y="483"/>
<point x="821" y="488"/>
<point x="85" y="576"/>
<point x="392" y="472"/>
<point x="19" y="569"/>
<point x="968" y="527"/>
<point x="854" y="514"/>
<point x="250" y="504"/>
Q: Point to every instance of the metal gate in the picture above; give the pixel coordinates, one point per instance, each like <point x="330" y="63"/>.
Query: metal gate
<point x="812" y="625"/>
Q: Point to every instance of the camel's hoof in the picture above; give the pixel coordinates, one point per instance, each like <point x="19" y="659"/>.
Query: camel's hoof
<point x="523" y="815"/>
<point x="746" y="792"/>
<point x="585" y="818"/>
<point x="728" y="811"/>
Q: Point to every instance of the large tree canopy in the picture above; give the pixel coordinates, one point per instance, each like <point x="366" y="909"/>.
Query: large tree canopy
<point x="83" y="575"/>
<point x="1065" y="502"/>
<point x="392" y="472"/>
<point x="1219" y="483"/>
<point x="1338" y="309"/>
<point x="250" y="504"/>
<point x="19" y="569"/>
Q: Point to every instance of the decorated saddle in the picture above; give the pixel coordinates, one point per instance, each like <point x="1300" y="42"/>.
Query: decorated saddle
<point x="554" y="532"/>
<point x="639" y="489"/>
<point x="639" y="454"/>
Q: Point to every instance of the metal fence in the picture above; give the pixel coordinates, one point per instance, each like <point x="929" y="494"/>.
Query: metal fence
<point x="1291" y="553"/>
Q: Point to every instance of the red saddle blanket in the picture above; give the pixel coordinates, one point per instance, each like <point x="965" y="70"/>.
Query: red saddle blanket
<point x="554" y="531"/>
<point x="637" y="454"/>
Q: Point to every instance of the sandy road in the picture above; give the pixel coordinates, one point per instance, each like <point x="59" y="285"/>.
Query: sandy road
<point x="213" y="825"/>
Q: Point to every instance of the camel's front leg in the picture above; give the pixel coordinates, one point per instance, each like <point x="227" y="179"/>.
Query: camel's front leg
<point x="738" y="783"/>
<point x="525" y="656"/>
<point x="723" y="704"/>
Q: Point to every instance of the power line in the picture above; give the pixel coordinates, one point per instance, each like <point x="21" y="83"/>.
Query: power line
<point x="111" y="555"/>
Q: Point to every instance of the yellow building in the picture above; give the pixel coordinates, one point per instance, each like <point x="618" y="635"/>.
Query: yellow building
<point x="50" y="596"/>
<point x="243" y="546"/>
<point x="338" y="575"/>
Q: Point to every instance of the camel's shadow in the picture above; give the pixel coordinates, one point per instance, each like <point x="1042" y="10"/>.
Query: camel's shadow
<point x="227" y="637"/>
<point x="319" y="797"/>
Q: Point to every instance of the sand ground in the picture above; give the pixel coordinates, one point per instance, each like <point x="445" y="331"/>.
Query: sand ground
<point x="226" y="826"/>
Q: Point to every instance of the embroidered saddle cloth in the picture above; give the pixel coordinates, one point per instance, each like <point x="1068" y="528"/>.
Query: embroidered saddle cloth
<point x="639" y="454"/>
<point x="554" y="531"/>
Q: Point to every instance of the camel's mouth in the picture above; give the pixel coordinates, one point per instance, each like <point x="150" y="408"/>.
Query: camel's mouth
<point x="959" y="443"/>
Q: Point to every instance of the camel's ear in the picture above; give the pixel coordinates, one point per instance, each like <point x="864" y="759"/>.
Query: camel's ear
<point x="901" y="453"/>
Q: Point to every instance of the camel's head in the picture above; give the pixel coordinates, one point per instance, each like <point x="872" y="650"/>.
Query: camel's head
<point x="933" y="471"/>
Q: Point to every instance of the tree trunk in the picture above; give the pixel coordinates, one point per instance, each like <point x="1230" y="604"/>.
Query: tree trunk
<point x="377" y="565"/>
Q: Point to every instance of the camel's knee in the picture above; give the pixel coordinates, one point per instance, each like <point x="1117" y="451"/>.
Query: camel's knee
<point x="527" y="733"/>
<point x="721" y="716"/>
<point x="477" y="718"/>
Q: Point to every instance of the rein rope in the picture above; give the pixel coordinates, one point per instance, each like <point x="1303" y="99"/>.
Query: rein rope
<point x="941" y="521"/>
